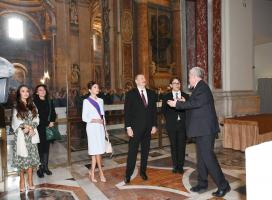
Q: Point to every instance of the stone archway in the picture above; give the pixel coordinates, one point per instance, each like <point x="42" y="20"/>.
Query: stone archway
<point x="36" y="51"/>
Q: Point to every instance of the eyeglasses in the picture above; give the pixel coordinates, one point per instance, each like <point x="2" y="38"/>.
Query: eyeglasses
<point x="175" y="83"/>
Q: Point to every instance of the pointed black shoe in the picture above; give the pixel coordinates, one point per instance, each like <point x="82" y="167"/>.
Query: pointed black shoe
<point x="221" y="192"/>
<point x="144" y="176"/>
<point x="198" y="188"/>
<point x="180" y="171"/>
<point x="174" y="170"/>
<point x="127" y="179"/>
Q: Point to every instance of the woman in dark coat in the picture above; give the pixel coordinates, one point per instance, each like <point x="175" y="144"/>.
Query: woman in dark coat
<point x="42" y="101"/>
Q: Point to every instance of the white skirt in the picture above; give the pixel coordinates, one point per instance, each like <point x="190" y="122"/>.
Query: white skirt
<point x="96" y="138"/>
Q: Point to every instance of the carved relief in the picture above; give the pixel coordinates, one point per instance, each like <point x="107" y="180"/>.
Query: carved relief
<point x="127" y="27"/>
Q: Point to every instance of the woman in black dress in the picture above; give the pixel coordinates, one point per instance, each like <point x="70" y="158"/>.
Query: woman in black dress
<point x="42" y="101"/>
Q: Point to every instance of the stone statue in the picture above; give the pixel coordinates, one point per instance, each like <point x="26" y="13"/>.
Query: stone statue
<point x="75" y="74"/>
<point x="172" y="67"/>
<point x="73" y="12"/>
<point x="20" y="75"/>
<point x="153" y="68"/>
<point x="49" y="3"/>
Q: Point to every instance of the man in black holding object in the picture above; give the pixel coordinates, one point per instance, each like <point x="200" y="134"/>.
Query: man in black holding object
<point x="140" y="123"/>
<point x="203" y="125"/>
<point x="175" y="125"/>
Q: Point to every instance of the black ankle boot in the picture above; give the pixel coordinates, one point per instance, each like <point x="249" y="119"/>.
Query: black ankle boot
<point x="40" y="171"/>
<point x="46" y="170"/>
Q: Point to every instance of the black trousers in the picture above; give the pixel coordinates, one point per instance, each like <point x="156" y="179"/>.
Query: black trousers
<point x="43" y="146"/>
<point x="133" y="146"/>
<point x="207" y="162"/>
<point x="177" y="137"/>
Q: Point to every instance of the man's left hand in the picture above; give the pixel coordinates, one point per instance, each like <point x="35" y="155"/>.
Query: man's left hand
<point x="172" y="103"/>
<point x="154" y="130"/>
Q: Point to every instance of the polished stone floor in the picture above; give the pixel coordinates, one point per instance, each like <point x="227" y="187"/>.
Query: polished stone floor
<point x="73" y="182"/>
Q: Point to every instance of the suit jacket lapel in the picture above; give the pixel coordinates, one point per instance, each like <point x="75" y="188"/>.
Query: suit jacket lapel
<point x="171" y="96"/>
<point x="139" y="96"/>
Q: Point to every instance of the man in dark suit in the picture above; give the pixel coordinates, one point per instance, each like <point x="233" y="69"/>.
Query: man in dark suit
<point x="175" y="125"/>
<point x="140" y="123"/>
<point x="203" y="125"/>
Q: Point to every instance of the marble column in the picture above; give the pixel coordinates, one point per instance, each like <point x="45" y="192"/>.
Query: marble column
<point x="176" y="50"/>
<point x="142" y="42"/>
<point x="84" y="45"/>
<point x="106" y="42"/>
<point x="217" y="71"/>
<point x="202" y="35"/>
<point x="63" y="59"/>
<point x="113" y="44"/>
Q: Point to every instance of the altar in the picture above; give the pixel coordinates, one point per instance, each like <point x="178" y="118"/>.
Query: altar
<point x="245" y="131"/>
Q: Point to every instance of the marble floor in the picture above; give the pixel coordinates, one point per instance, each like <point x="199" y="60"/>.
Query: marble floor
<point x="72" y="182"/>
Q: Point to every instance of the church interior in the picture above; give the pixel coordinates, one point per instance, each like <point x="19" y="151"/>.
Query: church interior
<point x="64" y="44"/>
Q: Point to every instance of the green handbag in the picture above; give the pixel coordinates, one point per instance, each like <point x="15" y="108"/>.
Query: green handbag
<point x="52" y="133"/>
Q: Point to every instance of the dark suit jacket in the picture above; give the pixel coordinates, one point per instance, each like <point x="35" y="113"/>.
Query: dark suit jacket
<point x="202" y="119"/>
<point x="171" y="114"/>
<point x="137" y="116"/>
<point x="2" y="117"/>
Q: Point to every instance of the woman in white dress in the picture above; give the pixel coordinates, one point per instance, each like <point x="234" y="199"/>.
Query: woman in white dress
<point x="93" y="114"/>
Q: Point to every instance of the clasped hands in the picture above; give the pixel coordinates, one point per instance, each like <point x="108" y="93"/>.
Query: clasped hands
<point x="29" y="130"/>
<point x="131" y="134"/>
<point x="172" y="103"/>
<point x="99" y="121"/>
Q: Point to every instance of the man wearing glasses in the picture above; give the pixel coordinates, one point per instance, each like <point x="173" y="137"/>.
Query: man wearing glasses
<point x="175" y="125"/>
<point x="203" y="126"/>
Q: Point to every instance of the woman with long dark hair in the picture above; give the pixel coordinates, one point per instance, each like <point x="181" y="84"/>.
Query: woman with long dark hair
<point x="25" y="120"/>
<point x="45" y="108"/>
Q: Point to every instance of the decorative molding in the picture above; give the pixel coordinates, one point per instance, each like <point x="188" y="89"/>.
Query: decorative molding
<point x="27" y="6"/>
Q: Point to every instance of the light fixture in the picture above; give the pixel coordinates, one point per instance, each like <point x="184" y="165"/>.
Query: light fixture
<point x="15" y="28"/>
<point x="45" y="77"/>
<point x="42" y="80"/>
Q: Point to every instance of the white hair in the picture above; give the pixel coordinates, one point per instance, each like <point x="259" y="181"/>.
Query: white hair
<point x="197" y="71"/>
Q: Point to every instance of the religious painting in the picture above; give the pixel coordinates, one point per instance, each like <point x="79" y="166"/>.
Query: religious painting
<point x="161" y="64"/>
<point x="160" y="37"/>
